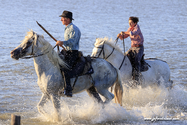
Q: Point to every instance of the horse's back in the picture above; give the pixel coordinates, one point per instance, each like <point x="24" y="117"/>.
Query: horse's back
<point x="155" y="59"/>
<point x="159" y="67"/>
<point x="157" y="63"/>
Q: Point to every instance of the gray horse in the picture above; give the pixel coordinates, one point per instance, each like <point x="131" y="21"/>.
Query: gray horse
<point x="47" y="66"/>
<point x="158" y="72"/>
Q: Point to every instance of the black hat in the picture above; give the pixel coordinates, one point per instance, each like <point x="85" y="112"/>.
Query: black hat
<point x="67" y="14"/>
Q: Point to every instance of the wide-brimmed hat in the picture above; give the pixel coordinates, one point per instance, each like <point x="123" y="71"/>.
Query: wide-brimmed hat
<point x="67" y="14"/>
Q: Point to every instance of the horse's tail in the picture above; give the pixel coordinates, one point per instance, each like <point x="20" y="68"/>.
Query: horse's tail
<point x="118" y="90"/>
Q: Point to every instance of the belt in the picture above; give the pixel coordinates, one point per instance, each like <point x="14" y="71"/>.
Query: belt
<point x="137" y="45"/>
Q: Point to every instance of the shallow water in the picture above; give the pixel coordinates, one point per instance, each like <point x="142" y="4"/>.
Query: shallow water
<point x="163" y="24"/>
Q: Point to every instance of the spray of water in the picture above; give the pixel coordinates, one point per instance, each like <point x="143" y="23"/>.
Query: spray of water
<point x="138" y="104"/>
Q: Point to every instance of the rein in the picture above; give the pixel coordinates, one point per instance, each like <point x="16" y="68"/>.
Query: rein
<point x="113" y="48"/>
<point x="32" y="56"/>
<point x="102" y="49"/>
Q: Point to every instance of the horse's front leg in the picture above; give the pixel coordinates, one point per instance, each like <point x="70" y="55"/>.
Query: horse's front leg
<point x="56" y="103"/>
<point x="42" y="102"/>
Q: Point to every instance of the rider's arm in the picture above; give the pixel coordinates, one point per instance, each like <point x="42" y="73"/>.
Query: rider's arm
<point x="135" y="31"/>
<point x="122" y="35"/>
<point x="59" y="43"/>
<point x="72" y="38"/>
<point x="125" y="36"/>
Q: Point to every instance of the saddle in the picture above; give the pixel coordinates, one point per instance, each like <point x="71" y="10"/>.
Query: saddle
<point x="144" y="66"/>
<point x="82" y="66"/>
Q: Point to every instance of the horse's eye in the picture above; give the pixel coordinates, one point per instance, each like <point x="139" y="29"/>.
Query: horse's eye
<point x="33" y="38"/>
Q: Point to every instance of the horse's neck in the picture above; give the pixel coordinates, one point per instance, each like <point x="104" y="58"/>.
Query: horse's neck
<point x="115" y="57"/>
<point x="121" y="62"/>
<point x="43" y="64"/>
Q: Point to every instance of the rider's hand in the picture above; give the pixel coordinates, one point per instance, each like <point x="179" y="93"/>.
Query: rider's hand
<point x="122" y="33"/>
<point x="119" y="35"/>
<point x="59" y="43"/>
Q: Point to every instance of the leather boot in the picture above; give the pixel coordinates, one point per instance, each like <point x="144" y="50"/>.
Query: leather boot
<point x="136" y="75"/>
<point x="68" y="88"/>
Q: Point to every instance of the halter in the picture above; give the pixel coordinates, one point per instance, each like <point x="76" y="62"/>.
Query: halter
<point x="102" y="49"/>
<point x="32" y="52"/>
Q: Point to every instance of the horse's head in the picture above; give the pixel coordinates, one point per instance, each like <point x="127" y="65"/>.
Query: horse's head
<point x="26" y="47"/>
<point x="104" y="48"/>
<point x="98" y="47"/>
<point x="36" y="46"/>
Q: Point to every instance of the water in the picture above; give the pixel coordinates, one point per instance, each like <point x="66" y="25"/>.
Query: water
<point x="163" y="24"/>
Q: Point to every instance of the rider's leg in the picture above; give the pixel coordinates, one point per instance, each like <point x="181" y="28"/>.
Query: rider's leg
<point x="137" y="71"/>
<point x="138" y="55"/>
<point x="70" y="57"/>
<point x="68" y="88"/>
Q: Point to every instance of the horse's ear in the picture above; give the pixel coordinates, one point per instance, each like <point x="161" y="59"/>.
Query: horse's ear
<point x="36" y="39"/>
<point x="96" y="40"/>
<point x="102" y="41"/>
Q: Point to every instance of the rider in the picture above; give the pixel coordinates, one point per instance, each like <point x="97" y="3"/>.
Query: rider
<point x="137" y="48"/>
<point x="72" y="36"/>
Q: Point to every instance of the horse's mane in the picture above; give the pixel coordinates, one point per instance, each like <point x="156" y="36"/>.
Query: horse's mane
<point x="47" y="47"/>
<point x="110" y="42"/>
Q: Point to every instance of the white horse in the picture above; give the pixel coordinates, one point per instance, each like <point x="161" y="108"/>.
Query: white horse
<point x="158" y="71"/>
<point x="50" y="81"/>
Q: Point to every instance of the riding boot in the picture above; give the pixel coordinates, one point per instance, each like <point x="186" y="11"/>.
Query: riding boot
<point x="68" y="88"/>
<point x="137" y="74"/>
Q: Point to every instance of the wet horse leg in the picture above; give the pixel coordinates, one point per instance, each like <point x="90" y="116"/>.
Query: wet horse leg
<point x="104" y="92"/>
<point x="56" y="103"/>
<point x="43" y="101"/>
<point x="92" y="92"/>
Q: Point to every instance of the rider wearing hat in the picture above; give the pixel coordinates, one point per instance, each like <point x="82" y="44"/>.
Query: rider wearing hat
<point x="72" y="36"/>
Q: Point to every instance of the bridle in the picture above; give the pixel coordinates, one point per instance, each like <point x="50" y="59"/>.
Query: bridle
<point x="32" y="55"/>
<point x="102" y="50"/>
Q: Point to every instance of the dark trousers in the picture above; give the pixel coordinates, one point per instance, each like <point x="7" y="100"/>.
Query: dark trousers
<point x="136" y="54"/>
<point x="70" y="58"/>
